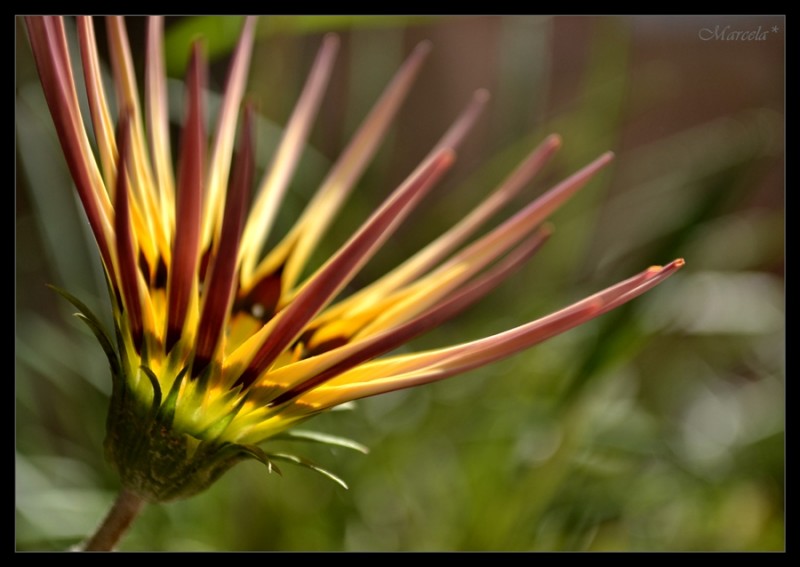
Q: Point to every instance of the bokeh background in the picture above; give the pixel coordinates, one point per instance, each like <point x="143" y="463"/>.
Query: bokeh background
<point x="657" y="427"/>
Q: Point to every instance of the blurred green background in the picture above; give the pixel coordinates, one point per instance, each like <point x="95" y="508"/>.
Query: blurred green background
<point x="657" y="427"/>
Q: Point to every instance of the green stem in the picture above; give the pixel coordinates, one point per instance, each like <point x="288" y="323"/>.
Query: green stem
<point x="125" y="509"/>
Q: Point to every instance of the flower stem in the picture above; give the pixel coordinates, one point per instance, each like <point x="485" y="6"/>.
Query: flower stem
<point x="125" y="509"/>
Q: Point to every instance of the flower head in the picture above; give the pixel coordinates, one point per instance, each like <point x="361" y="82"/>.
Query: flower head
<point x="220" y="346"/>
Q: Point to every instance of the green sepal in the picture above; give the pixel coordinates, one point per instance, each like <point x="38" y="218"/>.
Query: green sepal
<point x="93" y="322"/>
<point x="300" y="461"/>
<point x="167" y="412"/>
<point x="216" y="429"/>
<point x="323" y="438"/>
<point x="257" y="453"/>
<point x="105" y="344"/>
<point x="156" y="390"/>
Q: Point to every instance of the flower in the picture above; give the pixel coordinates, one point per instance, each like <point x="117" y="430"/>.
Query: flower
<point x="217" y="349"/>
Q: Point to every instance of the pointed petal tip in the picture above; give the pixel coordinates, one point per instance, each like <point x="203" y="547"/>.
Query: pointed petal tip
<point x="329" y="48"/>
<point x="673" y="266"/>
<point x="248" y="28"/>
<point x="123" y="125"/>
<point x="330" y="40"/>
<point x="422" y="49"/>
<point x="553" y="142"/>
<point x="198" y="51"/>
<point x="482" y="96"/>
<point x="248" y="112"/>
<point x="447" y="157"/>
<point x="594" y="167"/>
<point x="441" y="161"/>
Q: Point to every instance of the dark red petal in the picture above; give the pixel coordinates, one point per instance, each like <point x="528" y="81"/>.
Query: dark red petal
<point x="126" y="257"/>
<point x="48" y="43"/>
<point x="338" y="271"/>
<point x="183" y="270"/>
<point x="218" y="294"/>
<point x="430" y="319"/>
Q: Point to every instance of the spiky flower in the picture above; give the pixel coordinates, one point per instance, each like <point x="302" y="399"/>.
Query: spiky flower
<point x="219" y="346"/>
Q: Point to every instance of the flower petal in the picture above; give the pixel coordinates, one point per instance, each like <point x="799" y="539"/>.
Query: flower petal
<point x="400" y="372"/>
<point x="218" y="293"/>
<point x="340" y="269"/>
<point x="305" y="375"/>
<point x="49" y="45"/>
<point x="98" y="106"/>
<point x="182" y="283"/>
<point x="286" y="158"/>
<point x="156" y="110"/>
<point x="295" y="249"/>
<point x="437" y="250"/>
<point x="219" y="165"/>
<point x="152" y="237"/>
<point x="126" y="244"/>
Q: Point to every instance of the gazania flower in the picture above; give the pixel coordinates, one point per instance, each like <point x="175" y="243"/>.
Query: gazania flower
<point x="220" y="345"/>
